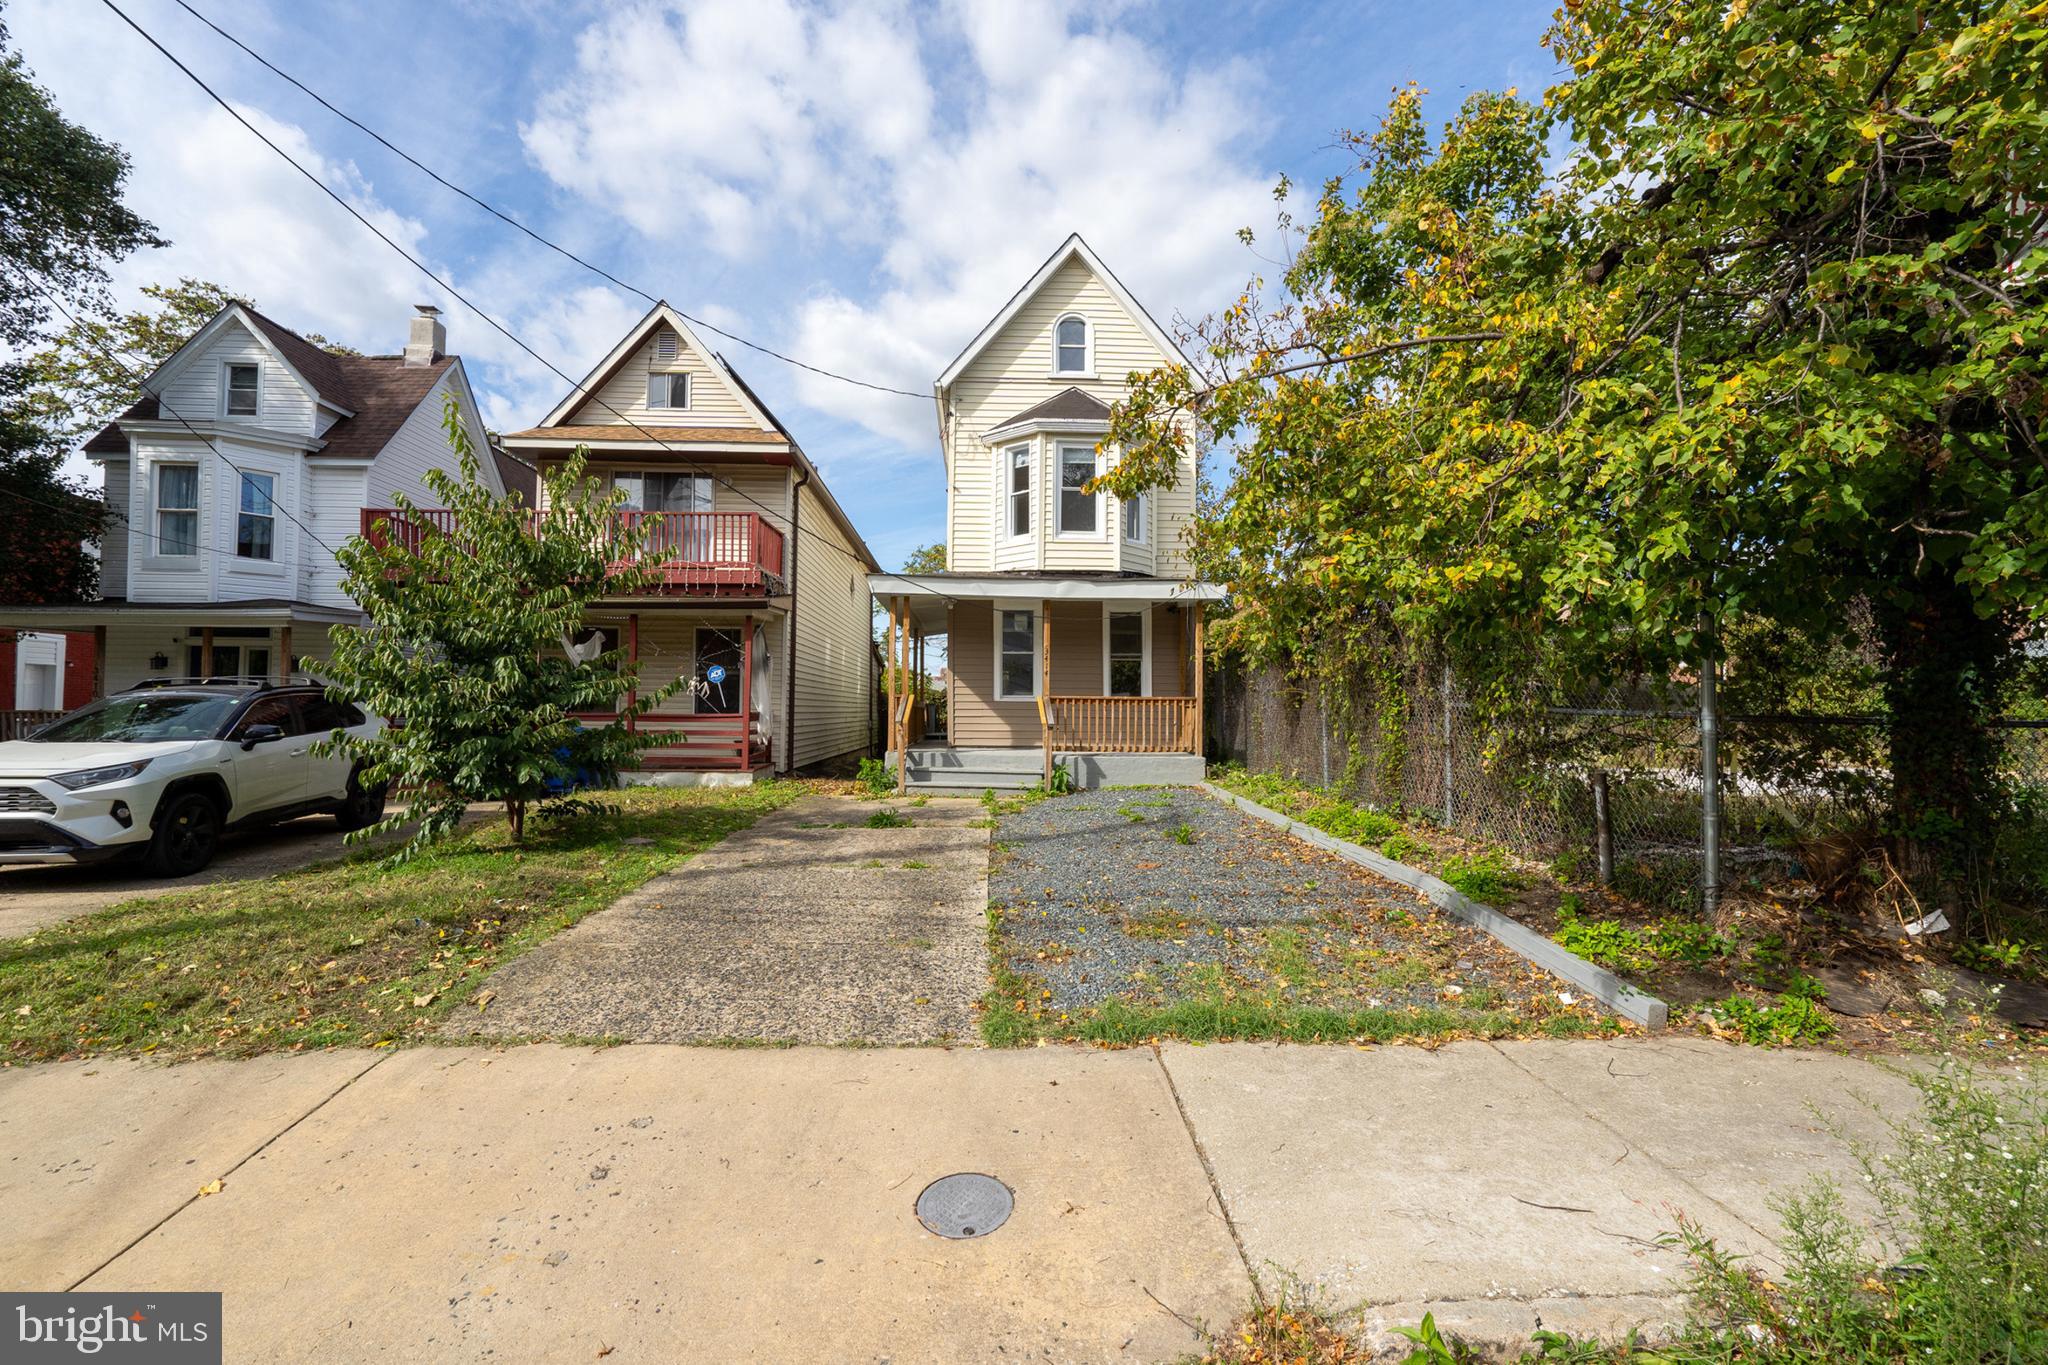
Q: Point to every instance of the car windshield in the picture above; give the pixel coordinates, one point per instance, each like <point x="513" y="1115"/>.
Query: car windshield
<point x="142" y="720"/>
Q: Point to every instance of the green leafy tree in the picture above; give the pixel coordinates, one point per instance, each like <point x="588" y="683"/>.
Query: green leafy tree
<point x="61" y="221"/>
<point x="1768" y="346"/>
<point x="465" y="646"/>
<point x="926" y="559"/>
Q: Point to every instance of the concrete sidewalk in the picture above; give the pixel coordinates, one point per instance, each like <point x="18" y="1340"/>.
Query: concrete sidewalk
<point x="686" y="1204"/>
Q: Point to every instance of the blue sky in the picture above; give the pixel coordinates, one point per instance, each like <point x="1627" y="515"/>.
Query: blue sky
<point x="859" y="184"/>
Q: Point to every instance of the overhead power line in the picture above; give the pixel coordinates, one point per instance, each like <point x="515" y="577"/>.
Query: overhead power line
<point x="575" y="385"/>
<point x="512" y="222"/>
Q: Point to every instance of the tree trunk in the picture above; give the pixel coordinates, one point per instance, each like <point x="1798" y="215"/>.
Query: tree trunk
<point x="1941" y="692"/>
<point x="515" y="815"/>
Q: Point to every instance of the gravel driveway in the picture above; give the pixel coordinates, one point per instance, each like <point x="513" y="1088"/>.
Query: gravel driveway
<point x="1151" y="896"/>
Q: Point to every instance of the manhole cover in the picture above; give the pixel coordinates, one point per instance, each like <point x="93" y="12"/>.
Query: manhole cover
<point x="964" y="1205"/>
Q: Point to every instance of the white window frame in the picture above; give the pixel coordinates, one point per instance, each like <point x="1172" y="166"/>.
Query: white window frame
<point x="1130" y="505"/>
<point x="242" y="478"/>
<point x="1087" y="370"/>
<point x="1036" y="610"/>
<point x="157" y="509"/>
<point x="1059" y="493"/>
<point x="1006" y="463"/>
<point x="227" y="370"/>
<point x="669" y="378"/>
<point x="1144" y="614"/>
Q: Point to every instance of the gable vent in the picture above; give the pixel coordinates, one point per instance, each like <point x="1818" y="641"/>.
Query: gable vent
<point x="666" y="346"/>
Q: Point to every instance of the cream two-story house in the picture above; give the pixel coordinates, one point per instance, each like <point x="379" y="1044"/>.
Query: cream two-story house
<point x="1073" y="632"/>
<point x="758" y="598"/>
<point x="246" y="458"/>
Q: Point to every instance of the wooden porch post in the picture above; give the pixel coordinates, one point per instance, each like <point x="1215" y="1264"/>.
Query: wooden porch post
<point x="1196" y="607"/>
<point x="746" y="691"/>
<point x="902" y="722"/>
<point x="99" y="662"/>
<point x="889" y="685"/>
<point x="284" y="648"/>
<point x="633" y="658"/>
<point x="1045" y="713"/>
<point x="206" y="651"/>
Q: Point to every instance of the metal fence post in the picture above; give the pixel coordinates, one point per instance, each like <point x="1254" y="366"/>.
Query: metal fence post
<point x="1710" y="791"/>
<point x="1450" y="798"/>
<point x="1603" y="828"/>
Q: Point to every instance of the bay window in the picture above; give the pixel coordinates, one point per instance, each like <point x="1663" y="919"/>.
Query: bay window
<point x="177" y="509"/>
<point x="1078" y="510"/>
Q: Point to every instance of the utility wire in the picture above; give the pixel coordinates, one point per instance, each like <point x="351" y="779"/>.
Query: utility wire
<point x="576" y="385"/>
<point x="510" y="221"/>
<point x="163" y="406"/>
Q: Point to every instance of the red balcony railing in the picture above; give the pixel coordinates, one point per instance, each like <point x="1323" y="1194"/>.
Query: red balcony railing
<point x="717" y="554"/>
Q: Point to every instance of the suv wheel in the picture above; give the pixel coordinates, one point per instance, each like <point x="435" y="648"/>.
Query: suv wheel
<point x="362" y="807"/>
<point x="186" y="835"/>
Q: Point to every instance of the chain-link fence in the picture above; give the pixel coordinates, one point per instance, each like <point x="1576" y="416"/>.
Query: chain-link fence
<point x="1608" y="783"/>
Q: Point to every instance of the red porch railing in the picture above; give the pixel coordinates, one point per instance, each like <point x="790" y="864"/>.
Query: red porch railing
<point x="697" y="554"/>
<point x="697" y="743"/>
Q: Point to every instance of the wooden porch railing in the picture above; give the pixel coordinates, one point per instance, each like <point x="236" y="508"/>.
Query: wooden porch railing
<point x="732" y="554"/>
<point x="19" y="724"/>
<point x="698" y="743"/>
<point x="1125" y="725"/>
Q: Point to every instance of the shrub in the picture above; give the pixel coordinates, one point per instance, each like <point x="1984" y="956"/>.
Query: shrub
<point x="1402" y="846"/>
<point x="1482" y="876"/>
<point x="876" y="777"/>
<point x="1347" y="821"/>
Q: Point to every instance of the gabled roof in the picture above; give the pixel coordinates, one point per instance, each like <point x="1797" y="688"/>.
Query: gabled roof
<point x="517" y="475"/>
<point x="1070" y="249"/>
<point x="375" y="393"/>
<point x="640" y="433"/>
<point x="659" y="315"/>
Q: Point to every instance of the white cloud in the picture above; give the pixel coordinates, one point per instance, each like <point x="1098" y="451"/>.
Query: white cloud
<point x="955" y="156"/>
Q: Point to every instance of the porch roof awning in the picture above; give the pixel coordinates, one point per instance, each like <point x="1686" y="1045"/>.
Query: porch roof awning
<point x="259" y="611"/>
<point x="929" y="594"/>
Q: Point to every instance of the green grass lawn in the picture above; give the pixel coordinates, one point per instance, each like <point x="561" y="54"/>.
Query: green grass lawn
<point x="351" y="953"/>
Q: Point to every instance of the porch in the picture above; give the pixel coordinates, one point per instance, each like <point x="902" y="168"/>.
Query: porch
<point x="689" y="554"/>
<point x="1099" y="676"/>
<point x="720" y="724"/>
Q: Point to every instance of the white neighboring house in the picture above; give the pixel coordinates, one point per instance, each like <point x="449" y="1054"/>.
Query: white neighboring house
<point x="251" y="452"/>
<point x="1073" y="630"/>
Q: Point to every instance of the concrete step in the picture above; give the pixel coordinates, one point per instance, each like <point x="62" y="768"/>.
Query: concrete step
<point x="950" y="760"/>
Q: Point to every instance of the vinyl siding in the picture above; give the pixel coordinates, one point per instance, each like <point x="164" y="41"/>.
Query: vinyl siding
<point x="333" y="508"/>
<point x="978" y="719"/>
<point x="834" y="679"/>
<point x="420" y="444"/>
<point x="114" y="549"/>
<point x="131" y="643"/>
<point x="193" y="390"/>
<point x="1013" y="373"/>
<point x="623" y="398"/>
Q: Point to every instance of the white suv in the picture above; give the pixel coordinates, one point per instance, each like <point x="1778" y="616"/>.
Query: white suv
<point x="163" y="769"/>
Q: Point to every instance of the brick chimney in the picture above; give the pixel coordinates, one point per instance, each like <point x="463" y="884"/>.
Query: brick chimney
<point x="429" y="339"/>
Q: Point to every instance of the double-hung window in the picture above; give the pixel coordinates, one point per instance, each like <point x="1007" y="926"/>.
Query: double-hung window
<point x="1017" y="494"/>
<point x="240" y="389"/>
<point x="1134" y="519"/>
<point x="1016" y="655"/>
<point x="1070" y="346"/>
<point x="1078" y="511"/>
<point x="256" y="517"/>
<point x="1126" y="654"/>
<point x="668" y="391"/>
<point x="177" y="509"/>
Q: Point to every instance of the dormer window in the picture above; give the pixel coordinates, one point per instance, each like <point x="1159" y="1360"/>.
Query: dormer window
<point x="241" y="389"/>
<point x="670" y="391"/>
<point x="1070" y="346"/>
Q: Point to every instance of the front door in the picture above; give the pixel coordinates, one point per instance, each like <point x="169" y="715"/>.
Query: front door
<point x="718" y="672"/>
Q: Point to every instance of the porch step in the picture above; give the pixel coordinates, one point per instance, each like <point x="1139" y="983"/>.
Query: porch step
<point x="932" y="768"/>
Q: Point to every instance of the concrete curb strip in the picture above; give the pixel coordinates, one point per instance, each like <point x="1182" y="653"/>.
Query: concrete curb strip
<point x="1603" y="985"/>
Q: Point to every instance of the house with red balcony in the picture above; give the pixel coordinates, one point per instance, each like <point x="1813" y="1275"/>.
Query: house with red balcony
<point x="758" y="596"/>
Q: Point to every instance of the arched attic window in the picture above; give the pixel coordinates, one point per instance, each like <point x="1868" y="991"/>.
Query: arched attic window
<point x="1070" y="345"/>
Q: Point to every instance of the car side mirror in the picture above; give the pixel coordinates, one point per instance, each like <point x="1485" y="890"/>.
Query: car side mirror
<point x="261" y="734"/>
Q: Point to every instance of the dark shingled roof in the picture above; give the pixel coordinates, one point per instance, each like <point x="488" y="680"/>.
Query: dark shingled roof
<point x="518" y="476"/>
<point x="381" y="390"/>
<point x="1068" y="405"/>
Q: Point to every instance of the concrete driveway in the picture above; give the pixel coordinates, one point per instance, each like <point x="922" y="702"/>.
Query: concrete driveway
<point x="658" y="1203"/>
<point x="33" y="898"/>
